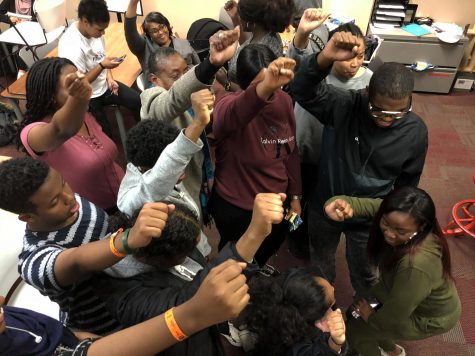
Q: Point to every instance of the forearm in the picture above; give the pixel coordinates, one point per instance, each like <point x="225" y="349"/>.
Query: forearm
<point x="300" y="40"/>
<point x="94" y="73"/>
<point x="151" y="336"/>
<point x="73" y="265"/>
<point x="248" y="245"/>
<point x="131" y="10"/>
<point x="195" y="129"/>
<point x="69" y="119"/>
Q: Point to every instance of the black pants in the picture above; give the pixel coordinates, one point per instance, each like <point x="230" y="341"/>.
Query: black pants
<point x="232" y="222"/>
<point x="126" y="97"/>
<point x="299" y="238"/>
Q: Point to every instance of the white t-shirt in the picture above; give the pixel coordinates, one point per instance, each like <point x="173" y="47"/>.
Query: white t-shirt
<point x="85" y="53"/>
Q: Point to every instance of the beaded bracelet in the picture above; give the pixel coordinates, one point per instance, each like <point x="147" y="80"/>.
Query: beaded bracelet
<point x="175" y="330"/>
<point x="115" y="251"/>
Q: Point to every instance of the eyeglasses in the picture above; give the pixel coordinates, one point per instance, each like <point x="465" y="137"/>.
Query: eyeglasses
<point x="159" y="28"/>
<point x="377" y="113"/>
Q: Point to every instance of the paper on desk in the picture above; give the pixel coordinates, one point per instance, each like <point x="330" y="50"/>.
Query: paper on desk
<point x="415" y="29"/>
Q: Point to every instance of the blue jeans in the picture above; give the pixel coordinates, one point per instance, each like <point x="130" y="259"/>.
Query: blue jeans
<point x="324" y="238"/>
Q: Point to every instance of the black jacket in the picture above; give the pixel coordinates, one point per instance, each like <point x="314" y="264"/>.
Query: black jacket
<point x="358" y="158"/>
<point x="139" y="298"/>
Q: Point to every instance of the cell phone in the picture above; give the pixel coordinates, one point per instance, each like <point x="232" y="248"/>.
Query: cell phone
<point x="120" y="59"/>
<point x="373" y="302"/>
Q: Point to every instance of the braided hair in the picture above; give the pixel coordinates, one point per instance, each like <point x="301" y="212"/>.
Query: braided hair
<point x="41" y="88"/>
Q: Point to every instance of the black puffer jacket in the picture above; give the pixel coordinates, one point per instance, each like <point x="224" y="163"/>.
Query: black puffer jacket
<point x="139" y="298"/>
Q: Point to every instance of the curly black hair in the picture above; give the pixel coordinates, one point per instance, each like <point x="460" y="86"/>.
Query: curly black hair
<point x="41" y="87"/>
<point x="147" y="140"/>
<point x="178" y="238"/>
<point x="272" y="15"/>
<point x="283" y="310"/>
<point x="94" y="11"/>
<point x="21" y="178"/>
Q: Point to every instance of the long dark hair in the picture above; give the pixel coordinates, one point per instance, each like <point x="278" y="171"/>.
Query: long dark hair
<point x="251" y="60"/>
<point x="420" y="206"/>
<point x="283" y="310"/>
<point x="41" y="87"/>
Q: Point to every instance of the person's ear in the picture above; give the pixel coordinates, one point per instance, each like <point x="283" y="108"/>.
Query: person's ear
<point x="152" y="78"/>
<point x="25" y="217"/>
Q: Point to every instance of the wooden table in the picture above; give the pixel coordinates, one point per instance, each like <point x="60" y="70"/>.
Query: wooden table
<point x="116" y="46"/>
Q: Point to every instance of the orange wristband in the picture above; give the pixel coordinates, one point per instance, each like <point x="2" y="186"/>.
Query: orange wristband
<point x="115" y="251"/>
<point x="175" y="330"/>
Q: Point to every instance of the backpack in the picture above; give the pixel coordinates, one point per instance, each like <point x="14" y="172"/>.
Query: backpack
<point x="199" y="33"/>
<point x="8" y="127"/>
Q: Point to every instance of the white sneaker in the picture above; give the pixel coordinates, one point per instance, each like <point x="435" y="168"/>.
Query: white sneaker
<point x="402" y="353"/>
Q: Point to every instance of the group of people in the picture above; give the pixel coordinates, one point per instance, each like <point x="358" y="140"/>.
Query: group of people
<point x="313" y="134"/>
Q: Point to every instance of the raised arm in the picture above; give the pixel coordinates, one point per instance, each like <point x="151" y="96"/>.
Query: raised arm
<point x="157" y="183"/>
<point x="326" y="102"/>
<point x="235" y="111"/>
<point x="231" y="8"/>
<point x="74" y="264"/>
<point x="311" y="19"/>
<point x="135" y="41"/>
<point x="67" y="121"/>
<point x="167" y="105"/>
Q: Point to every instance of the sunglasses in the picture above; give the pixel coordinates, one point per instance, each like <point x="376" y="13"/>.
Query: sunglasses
<point x="378" y="113"/>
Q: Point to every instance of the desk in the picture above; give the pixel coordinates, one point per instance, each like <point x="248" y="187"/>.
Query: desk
<point x="116" y="46"/>
<point x="32" y="32"/>
<point x="402" y="47"/>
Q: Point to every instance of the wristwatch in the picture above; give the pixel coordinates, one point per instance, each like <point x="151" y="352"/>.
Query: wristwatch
<point x="295" y="197"/>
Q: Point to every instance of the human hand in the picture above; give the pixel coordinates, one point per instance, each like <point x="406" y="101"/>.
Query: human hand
<point x="336" y="326"/>
<point x="202" y="101"/>
<point x="14" y="20"/>
<point x="341" y="47"/>
<point x="134" y="2"/>
<point x="364" y="309"/>
<point x="268" y="209"/>
<point x="296" y="207"/>
<point x="149" y="224"/>
<point x="113" y="86"/>
<point x="222" y="46"/>
<point x="222" y="295"/>
<point x="339" y="210"/>
<point x="231" y="8"/>
<point x="78" y="86"/>
<point x="312" y="19"/>
<point x="278" y="73"/>
<point x="110" y="62"/>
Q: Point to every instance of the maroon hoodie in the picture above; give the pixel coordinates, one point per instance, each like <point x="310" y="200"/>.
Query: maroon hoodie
<point x="255" y="147"/>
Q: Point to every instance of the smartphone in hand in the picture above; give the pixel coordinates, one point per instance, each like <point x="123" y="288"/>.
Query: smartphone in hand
<point x="120" y="59"/>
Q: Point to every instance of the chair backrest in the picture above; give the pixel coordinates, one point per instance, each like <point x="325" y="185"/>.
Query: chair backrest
<point x="41" y="51"/>
<point x="11" y="240"/>
<point x="51" y="14"/>
<point x="141" y="81"/>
